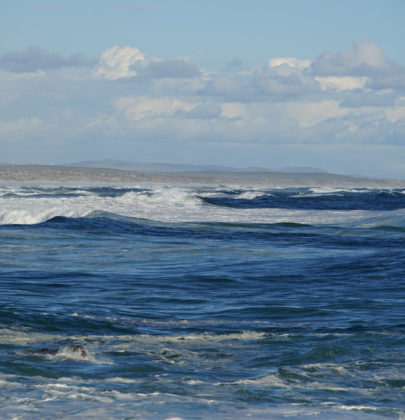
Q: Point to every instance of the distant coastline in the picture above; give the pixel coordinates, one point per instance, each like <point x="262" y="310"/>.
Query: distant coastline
<point x="59" y="173"/>
<point x="163" y="167"/>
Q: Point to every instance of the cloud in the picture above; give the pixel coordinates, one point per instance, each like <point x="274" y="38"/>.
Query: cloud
<point x="364" y="59"/>
<point x="224" y="86"/>
<point x="351" y="97"/>
<point x="281" y="79"/>
<point x="341" y="83"/>
<point x="129" y="62"/>
<point x="205" y="111"/>
<point x="118" y="63"/>
<point x="362" y="98"/>
<point x="291" y="62"/>
<point x="395" y="114"/>
<point x="286" y="76"/>
<point x="394" y="78"/>
<point x="19" y="127"/>
<point x="33" y="59"/>
<point x="235" y="63"/>
<point x="137" y="108"/>
<point x="233" y="110"/>
<point x="312" y="113"/>
<point x="178" y="68"/>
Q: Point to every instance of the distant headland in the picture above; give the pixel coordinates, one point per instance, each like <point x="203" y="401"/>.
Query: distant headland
<point x="111" y="171"/>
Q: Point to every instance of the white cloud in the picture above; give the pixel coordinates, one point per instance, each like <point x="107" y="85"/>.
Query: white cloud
<point x="311" y="113"/>
<point x="290" y="62"/>
<point x="233" y="110"/>
<point x="137" y="108"/>
<point x="341" y="83"/>
<point x="128" y="62"/>
<point x="116" y="63"/>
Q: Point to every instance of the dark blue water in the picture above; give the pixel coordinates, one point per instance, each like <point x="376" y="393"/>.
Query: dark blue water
<point x="223" y="303"/>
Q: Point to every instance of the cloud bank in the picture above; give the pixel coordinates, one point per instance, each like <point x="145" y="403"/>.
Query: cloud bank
<point x="34" y="58"/>
<point x="338" y="101"/>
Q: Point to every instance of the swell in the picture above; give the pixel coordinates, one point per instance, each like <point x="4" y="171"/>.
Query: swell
<point x="305" y="200"/>
<point x="208" y="234"/>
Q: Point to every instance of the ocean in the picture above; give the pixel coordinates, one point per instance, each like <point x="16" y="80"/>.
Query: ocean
<point x="267" y="297"/>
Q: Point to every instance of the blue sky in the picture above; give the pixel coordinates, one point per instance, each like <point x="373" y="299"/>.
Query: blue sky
<point x="242" y="83"/>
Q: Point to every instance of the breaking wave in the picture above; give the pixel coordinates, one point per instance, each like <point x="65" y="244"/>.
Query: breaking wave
<point x="311" y="206"/>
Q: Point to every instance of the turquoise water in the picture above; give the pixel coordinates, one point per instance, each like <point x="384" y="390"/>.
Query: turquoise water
<point x="202" y="302"/>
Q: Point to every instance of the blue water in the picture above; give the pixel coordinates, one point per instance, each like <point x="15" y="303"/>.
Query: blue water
<point x="200" y="302"/>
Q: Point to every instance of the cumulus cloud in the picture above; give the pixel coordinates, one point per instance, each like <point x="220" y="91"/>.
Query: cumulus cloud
<point x="288" y="100"/>
<point x="33" y="59"/>
<point x="128" y="62"/>
<point x="286" y="76"/>
<point x="289" y="62"/>
<point x="118" y="63"/>
<point x="364" y="59"/>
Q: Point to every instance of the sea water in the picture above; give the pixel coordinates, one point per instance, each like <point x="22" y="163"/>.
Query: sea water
<point x="201" y="301"/>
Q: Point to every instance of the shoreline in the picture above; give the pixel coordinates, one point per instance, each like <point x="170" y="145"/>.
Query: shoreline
<point x="48" y="173"/>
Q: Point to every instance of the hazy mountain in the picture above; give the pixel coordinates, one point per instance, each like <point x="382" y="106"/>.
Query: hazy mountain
<point x="174" y="167"/>
<point x="301" y="169"/>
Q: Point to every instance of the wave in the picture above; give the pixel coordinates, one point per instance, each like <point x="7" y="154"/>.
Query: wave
<point x="299" y="206"/>
<point x="307" y="200"/>
<point x="104" y="223"/>
<point x="352" y="229"/>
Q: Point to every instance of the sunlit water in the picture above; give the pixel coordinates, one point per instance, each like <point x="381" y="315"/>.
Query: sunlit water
<point x="202" y="302"/>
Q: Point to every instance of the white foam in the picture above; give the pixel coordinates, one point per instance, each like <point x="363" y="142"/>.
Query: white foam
<point x="77" y="398"/>
<point x="205" y="337"/>
<point x="23" y="337"/>
<point x="268" y="380"/>
<point x="121" y="380"/>
<point x="68" y="353"/>
<point x="355" y="407"/>
<point x="327" y="190"/>
<point x="251" y="195"/>
<point x="163" y="203"/>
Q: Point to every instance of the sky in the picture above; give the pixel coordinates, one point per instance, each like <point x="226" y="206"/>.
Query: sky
<point x="238" y="83"/>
